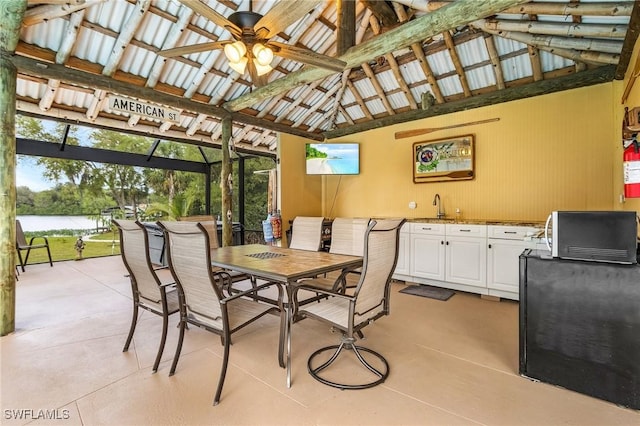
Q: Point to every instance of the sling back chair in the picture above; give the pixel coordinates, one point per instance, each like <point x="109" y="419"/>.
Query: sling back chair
<point x="202" y="302"/>
<point x="306" y="233"/>
<point x="210" y="224"/>
<point x="347" y="237"/>
<point x="369" y="301"/>
<point x="153" y="289"/>
<point x="21" y="245"/>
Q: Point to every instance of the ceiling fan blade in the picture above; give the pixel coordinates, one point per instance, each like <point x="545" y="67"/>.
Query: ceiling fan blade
<point x="212" y="15"/>
<point x="307" y="56"/>
<point x="283" y="14"/>
<point x="194" y="48"/>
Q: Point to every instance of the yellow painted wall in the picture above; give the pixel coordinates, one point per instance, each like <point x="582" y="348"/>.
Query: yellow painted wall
<point x="551" y="152"/>
<point x="631" y="102"/>
<point x="300" y="195"/>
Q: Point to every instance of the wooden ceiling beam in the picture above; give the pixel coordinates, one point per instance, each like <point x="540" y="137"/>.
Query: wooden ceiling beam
<point x="605" y="46"/>
<point x="587" y="78"/>
<point x="391" y="60"/>
<point x="619" y="8"/>
<point x="536" y="65"/>
<point x="457" y="64"/>
<point x="359" y="100"/>
<point x="62" y="73"/>
<point x="421" y="57"/>
<point x="559" y="29"/>
<point x="382" y="12"/>
<point x="38" y="14"/>
<point x="456" y="14"/>
<point x="494" y="58"/>
<point x="629" y="42"/>
<point x="113" y="122"/>
<point x="346" y="23"/>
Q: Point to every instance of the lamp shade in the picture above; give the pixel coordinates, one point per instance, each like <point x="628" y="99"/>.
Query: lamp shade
<point x="262" y="69"/>
<point x="262" y="53"/>
<point x="235" y="51"/>
<point x="240" y="65"/>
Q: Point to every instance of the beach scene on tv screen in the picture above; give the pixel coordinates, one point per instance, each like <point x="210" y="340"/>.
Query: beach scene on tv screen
<point x="333" y="159"/>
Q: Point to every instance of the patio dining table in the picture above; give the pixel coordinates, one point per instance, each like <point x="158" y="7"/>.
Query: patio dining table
<point x="283" y="265"/>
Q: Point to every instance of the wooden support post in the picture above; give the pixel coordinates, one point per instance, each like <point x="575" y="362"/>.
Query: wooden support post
<point x="226" y="184"/>
<point x="11" y="13"/>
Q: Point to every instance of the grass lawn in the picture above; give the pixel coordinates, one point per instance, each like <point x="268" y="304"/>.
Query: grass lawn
<point x="63" y="248"/>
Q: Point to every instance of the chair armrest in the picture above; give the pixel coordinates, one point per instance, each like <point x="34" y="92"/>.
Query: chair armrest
<point x="255" y="290"/>
<point x="319" y="291"/>
<point x="46" y="241"/>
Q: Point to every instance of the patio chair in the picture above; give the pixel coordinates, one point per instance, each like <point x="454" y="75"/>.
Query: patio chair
<point x="351" y="313"/>
<point x="153" y="289"/>
<point x="306" y="233"/>
<point x="210" y="225"/>
<point x="202" y="302"/>
<point x="21" y="245"/>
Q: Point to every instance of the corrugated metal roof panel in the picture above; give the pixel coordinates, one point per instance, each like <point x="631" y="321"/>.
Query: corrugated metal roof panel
<point x="398" y="100"/>
<point x="551" y="62"/>
<point x="481" y="77"/>
<point x="440" y="63"/>
<point x="472" y="52"/>
<point x="412" y="72"/>
<point x="516" y="67"/>
<point x="505" y="46"/>
<point x="450" y="85"/>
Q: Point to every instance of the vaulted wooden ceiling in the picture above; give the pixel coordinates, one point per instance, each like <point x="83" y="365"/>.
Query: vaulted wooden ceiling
<point x="404" y="60"/>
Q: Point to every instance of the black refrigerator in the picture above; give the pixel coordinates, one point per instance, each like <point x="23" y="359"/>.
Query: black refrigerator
<point x="580" y="326"/>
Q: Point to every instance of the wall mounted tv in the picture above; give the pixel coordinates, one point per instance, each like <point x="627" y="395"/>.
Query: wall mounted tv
<point x="333" y="158"/>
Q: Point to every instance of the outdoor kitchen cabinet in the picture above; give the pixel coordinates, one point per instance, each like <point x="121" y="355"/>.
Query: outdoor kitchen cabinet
<point x="505" y="244"/>
<point x="466" y="255"/>
<point x="427" y="251"/>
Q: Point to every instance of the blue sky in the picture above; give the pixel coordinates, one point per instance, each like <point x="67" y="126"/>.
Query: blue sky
<point x="28" y="173"/>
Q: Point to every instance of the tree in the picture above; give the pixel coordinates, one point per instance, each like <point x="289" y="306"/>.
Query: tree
<point x="25" y="203"/>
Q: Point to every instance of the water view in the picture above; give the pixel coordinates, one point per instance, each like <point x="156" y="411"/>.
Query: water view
<point x="32" y="223"/>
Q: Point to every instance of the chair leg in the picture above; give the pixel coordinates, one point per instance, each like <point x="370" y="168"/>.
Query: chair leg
<point x="49" y="254"/>
<point x="26" y="258"/>
<point x="134" y="321"/>
<point x="163" y="339"/>
<point x="22" y="262"/>
<point x="183" y="322"/>
<point x="349" y="344"/>
<point x="225" y="362"/>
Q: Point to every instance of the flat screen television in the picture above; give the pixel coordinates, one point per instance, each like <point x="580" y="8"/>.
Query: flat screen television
<point x="333" y="158"/>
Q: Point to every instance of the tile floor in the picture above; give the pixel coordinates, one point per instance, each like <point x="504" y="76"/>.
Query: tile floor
<point x="452" y="363"/>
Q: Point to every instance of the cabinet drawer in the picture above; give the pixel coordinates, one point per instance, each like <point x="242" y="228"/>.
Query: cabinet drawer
<point x="461" y="229"/>
<point x="511" y="232"/>
<point x="427" y="228"/>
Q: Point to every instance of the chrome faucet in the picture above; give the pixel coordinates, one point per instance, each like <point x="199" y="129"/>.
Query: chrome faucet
<point x="438" y="202"/>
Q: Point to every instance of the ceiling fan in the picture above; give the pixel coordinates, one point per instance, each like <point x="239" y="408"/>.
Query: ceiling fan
<point x="252" y="48"/>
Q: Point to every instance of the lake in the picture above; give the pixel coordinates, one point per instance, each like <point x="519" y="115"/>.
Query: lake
<point x="31" y="223"/>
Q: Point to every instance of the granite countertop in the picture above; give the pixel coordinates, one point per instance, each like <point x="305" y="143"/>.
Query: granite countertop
<point x="535" y="224"/>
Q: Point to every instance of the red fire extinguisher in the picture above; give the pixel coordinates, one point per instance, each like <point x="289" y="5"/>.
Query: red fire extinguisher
<point x="631" y="164"/>
<point x="276" y="224"/>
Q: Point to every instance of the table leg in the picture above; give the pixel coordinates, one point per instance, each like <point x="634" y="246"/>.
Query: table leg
<point x="289" y="324"/>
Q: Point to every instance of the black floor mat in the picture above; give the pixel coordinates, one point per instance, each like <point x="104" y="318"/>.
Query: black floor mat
<point x="428" y="291"/>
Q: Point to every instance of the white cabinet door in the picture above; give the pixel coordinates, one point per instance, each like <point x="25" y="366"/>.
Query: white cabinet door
<point x="404" y="253"/>
<point x="427" y="256"/>
<point x="466" y="261"/>
<point x="503" y="265"/>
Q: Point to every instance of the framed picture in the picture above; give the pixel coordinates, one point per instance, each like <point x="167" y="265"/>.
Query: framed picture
<point x="444" y="159"/>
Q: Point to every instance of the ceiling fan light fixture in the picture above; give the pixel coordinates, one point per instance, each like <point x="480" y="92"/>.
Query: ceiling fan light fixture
<point x="262" y="69"/>
<point x="239" y="66"/>
<point x="235" y="51"/>
<point x="262" y="54"/>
